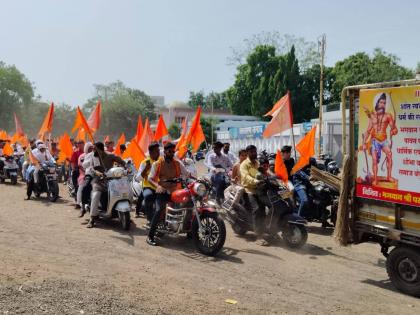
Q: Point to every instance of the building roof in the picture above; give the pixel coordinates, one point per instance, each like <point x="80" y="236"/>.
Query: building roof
<point x="239" y="124"/>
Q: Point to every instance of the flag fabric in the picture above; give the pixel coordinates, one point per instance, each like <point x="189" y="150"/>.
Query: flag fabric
<point x="306" y="149"/>
<point x="94" y="120"/>
<point x="161" y="129"/>
<point x="196" y="135"/>
<point x="139" y="131"/>
<point x="80" y="122"/>
<point x="3" y="135"/>
<point x="15" y="138"/>
<point x="48" y="122"/>
<point x="282" y="117"/>
<point x="134" y="152"/>
<point x="147" y="137"/>
<point x="280" y="168"/>
<point x="120" y="141"/>
<point x="7" y="149"/>
<point x="19" y="129"/>
<point x="81" y="135"/>
<point x="181" y="146"/>
<point x="66" y="148"/>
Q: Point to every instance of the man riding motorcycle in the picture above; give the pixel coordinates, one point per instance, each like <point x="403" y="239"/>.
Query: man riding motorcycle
<point x="219" y="165"/>
<point x="148" y="195"/>
<point x="165" y="168"/>
<point x="256" y="202"/>
<point x="85" y="177"/>
<point x="42" y="155"/>
<point x="101" y="161"/>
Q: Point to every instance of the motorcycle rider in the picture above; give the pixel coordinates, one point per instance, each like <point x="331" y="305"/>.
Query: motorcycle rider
<point x="42" y="155"/>
<point x="289" y="162"/>
<point x="148" y="195"/>
<point x="257" y="202"/>
<point x="217" y="161"/>
<point x="82" y="181"/>
<point x="75" y="167"/>
<point x="101" y="161"/>
<point x="226" y="147"/>
<point x="165" y="168"/>
<point x="236" y="174"/>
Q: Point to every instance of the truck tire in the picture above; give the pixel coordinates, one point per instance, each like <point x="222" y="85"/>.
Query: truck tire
<point x="403" y="268"/>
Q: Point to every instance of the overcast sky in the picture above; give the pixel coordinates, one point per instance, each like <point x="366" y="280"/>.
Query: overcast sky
<point x="172" y="47"/>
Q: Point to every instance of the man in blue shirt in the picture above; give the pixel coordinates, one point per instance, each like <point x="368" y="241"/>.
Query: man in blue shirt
<point x="219" y="165"/>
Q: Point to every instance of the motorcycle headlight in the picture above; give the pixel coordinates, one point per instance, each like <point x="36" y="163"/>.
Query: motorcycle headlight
<point x="199" y="189"/>
<point x="115" y="172"/>
<point x="51" y="170"/>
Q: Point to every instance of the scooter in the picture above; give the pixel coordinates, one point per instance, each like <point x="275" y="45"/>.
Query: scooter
<point x="187" y="212"/>
<point x="116" y="203"/>
<point x="47" y="182"/>
<point x="10" y="170"/>
<point x="279" y="216"/>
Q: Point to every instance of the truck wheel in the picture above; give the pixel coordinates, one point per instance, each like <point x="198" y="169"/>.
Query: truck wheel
<point x="403" y="268"/>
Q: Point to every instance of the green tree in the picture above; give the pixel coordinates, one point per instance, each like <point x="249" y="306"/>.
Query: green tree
<point x="206" y="124"/>
<point x="197" y="99"/>
<point x="16" y="94"/>
<point x="216" y="101"/>
<point x="361" y="68"/>
<point x="240" y="93"/>
<point x="174" y="131"/>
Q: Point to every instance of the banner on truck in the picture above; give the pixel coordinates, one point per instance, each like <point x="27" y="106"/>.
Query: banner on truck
<point x="388" y="159"/>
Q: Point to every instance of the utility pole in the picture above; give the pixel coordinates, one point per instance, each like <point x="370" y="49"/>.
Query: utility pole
<point x="322" y="42"/>
<point x="211" y="122"/>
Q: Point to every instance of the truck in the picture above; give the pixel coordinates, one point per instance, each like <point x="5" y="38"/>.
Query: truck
<point x="380" y="184"/>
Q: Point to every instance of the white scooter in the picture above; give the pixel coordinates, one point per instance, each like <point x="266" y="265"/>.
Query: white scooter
<point x="116" y="202"/>
<point x="10" y="170"/>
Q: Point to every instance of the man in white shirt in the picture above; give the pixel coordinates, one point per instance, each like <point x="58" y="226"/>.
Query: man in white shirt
<point x="226" y="151"/>
<point x="42" y="155"/>
<point x="219" y="166"/>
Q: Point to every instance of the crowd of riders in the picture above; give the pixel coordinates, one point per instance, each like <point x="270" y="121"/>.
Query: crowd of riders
<point x="161" y="164"/>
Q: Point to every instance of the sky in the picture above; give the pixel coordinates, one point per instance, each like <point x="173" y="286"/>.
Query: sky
<point x="172" y="47"/>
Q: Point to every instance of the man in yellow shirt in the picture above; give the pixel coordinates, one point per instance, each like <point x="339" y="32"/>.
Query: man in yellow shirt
<point x="256" y="200"/>
<point x="148" y="196"/>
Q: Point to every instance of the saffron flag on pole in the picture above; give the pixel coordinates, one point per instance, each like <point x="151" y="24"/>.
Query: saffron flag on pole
<point x="280" y="168"/>
<point x="94" y="120"/>
<point x="134" y="152"/>
<point x="80" y="122"/>
<point x="66" y="148"/>
<point x="7" y="149"/>
<point x="120" y="141"/>
<point x="139" y="131"/>
<point x="19" y="129"/>
<point x="181" y="146"/>
<point x="196" y="135"/>
<point x="146" y="137"/>
<point x="47" y="125"/>
<point x="282" y="117"/>
<point x="161" y="129"/>
<point x="306" y="149"/>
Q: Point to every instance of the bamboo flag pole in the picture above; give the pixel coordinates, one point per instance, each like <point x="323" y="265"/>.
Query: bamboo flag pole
<point x="322" y="44"/>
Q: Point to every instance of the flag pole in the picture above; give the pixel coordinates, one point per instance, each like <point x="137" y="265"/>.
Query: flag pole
<point x="293" y="143"/>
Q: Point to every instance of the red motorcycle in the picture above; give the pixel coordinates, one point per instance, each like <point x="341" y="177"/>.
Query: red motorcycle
<point x="187" y="212"/>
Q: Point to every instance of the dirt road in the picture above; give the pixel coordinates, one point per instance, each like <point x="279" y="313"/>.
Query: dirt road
<point x="51" y="264"/>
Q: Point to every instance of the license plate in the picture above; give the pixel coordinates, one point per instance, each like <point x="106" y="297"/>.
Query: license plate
<point x="54" y="176"/>
<point x="13" y="174"/>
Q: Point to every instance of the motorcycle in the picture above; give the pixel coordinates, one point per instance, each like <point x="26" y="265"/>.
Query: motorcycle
<point x="326" y="163"/>
<point x="187" y="212"/>
<point x="212" y="189"/>
<point x="279" y="217"/>
<point x="10" y="170"/>
<point x="116" y="202"/>
<point x="47" y="182"/>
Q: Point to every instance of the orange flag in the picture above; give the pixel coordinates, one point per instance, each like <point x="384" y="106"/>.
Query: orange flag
<point x="3" y="135"/>
<point x="147" y="137"/>
<point x="80" y="122"/>
<point x="279" y="168"/>
<point x="81" y="135"/>
<point x="121" y="140"/>
<point x="135" y="153"/>
<point x="94" y="120"/>
<point x="282" y="117"/>
<point x="48" y="122"/>
<point x="19" y="129"/>
<point x="32" y="158"/>
<point x="161" y="129"/>
<point x="196" y="134"/>
<point x="181" y="146"/>
<point x="66" y="148"/>
<point x="7" y="149"/>
<point x="139" y="131"/>
<point x="306" y="148"/>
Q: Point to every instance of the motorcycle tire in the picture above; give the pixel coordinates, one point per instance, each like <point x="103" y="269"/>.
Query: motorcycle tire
<point x="125" y="220"/>
<point x="13" y="180"/>
<point x="403" y="268"/>
<point x="214" y="232"/>
<point x="295" y="235"/>
<point x="53" y="192"/>
<point x="239" y="230"/>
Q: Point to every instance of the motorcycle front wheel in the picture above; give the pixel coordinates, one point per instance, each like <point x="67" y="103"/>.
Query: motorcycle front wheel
<point x="53" y="191"/>
<point x="295" y="235"/>
<point x="125" y="220"/>
<point x="14" y="180"/>
<point x="212" y="238"/>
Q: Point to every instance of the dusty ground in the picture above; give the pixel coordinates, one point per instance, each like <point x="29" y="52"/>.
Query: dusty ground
<point x="51" y="264"/>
